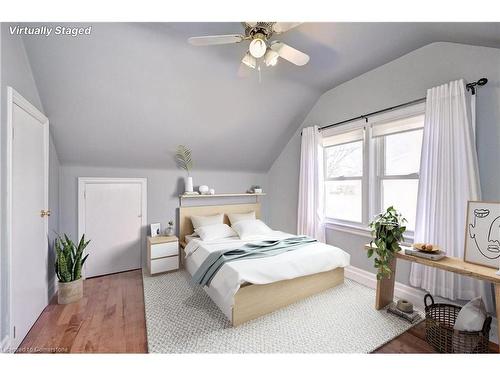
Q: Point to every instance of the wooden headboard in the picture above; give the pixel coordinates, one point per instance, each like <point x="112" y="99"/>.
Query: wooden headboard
<point x="185" y="213"/>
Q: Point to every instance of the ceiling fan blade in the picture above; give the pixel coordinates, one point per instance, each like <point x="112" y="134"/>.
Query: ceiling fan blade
<point x="215" y="39"/>
<point x="281" y="27"/>
<point x="247" y="65"/>
<point x="244" y="71"/>
<point x="289" y="53"/>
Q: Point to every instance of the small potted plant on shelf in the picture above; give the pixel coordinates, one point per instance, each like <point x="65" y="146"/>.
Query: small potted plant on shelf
<point x="170" y="228"/>
<point x="387" y="229"/>
<point x="68" y="267"/>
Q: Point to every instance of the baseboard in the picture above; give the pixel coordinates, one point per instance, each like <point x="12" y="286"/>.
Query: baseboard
<point x="409" y="293"/>
<point x="5" y="345"/>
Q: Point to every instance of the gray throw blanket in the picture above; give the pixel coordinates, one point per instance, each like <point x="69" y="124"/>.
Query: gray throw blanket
<point x="217" y="259"/>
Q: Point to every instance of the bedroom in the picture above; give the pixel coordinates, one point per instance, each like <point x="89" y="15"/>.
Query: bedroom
<point x="227" y="185"/>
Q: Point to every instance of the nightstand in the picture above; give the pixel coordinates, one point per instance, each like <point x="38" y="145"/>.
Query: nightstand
<point x="163" y="254"/>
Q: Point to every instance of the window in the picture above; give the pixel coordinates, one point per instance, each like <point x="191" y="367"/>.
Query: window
<point x="373" y="165"/>
<point x="400" y="154"/>
<point x="343" y="179"/>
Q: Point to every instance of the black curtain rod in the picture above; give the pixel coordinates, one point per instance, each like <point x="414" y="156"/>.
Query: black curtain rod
<point x="470" y="86"/>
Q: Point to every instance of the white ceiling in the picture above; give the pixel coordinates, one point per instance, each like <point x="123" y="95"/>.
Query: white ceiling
<point x="129" y="93"/>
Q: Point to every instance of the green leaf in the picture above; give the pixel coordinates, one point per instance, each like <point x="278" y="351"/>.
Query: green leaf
<point x="69" y="262"/>
<point x="387" y="229"/>
<point x="183" y="158"/>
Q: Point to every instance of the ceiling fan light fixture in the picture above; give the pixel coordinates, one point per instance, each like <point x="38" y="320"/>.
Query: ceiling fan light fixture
<point x="249" y="60"/>
<point x="271" y="57"/>
<point x="258" y="47"/>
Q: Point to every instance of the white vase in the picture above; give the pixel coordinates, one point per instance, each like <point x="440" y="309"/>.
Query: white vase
<point x="188" y="183"/>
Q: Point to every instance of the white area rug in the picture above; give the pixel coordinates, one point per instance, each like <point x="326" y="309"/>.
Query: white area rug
<point x="181" y="318"/>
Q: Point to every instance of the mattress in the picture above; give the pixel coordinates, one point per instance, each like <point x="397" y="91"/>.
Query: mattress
<point x="307" y="260"/>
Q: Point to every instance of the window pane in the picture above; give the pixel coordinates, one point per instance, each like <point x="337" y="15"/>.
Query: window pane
<point x="402" y="153"/>
<point x="343" y="200"/>
<point x="402" y="194"/>
<point x="344" y="160"/>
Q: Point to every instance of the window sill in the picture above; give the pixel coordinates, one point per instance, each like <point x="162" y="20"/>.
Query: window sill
<point x="361" y="230"/>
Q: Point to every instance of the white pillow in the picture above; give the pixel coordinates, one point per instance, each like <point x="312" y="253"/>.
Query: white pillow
<point x="472" y="316"/>
<point x="214" y="232"/>
<point x="201" y="221"/>
<point x="234" y="218"/>
<point x="250" y="228"/>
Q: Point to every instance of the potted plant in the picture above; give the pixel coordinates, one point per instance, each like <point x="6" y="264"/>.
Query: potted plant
<point x="255" y="189"/>
<point x="68" y="266"/>
<point x="387" y="230"/>
<point x="184" y="161"/>
<point x="170" y="228"/>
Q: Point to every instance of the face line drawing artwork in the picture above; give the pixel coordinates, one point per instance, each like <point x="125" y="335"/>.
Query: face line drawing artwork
<point x="490" y="249"/>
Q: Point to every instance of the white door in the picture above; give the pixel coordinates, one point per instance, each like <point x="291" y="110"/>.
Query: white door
<point x="112" y="219"/>
<point x="28" y="196"/>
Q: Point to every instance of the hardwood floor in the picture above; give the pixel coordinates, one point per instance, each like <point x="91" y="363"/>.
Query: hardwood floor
<point x="110" y="319"/>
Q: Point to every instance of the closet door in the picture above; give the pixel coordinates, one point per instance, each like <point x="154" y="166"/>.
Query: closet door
<point x="112" y="219"/>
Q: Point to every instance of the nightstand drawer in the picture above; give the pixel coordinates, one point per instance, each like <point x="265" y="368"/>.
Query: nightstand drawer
<point x="164" y="249"/>
<point x="164" y="264"/>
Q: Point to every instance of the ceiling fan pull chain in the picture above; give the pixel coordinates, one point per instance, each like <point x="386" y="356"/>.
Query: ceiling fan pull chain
<point x="260" y="77"/>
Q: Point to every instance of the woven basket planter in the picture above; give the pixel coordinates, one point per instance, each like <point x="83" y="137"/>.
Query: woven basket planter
<point x="70" y="292"/>
<point x="439" y="322"/>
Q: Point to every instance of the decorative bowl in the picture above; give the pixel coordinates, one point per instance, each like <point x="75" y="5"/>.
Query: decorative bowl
<point x="423" y="247"/>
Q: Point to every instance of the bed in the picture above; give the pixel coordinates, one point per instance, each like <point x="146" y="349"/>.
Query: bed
<point x="244" y="290"/>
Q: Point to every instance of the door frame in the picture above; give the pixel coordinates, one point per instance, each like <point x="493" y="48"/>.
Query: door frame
<point x="14" y="98"/>
<point x="83" y="181"/>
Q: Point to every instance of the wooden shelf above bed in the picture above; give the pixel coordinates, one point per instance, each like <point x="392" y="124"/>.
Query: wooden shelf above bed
<point x="196" y="196"/>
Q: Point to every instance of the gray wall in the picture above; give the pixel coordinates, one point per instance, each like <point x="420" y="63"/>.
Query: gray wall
<point x="399" y="81"/>
<point x="164" y="187"/>
<point x="16" y="72"/>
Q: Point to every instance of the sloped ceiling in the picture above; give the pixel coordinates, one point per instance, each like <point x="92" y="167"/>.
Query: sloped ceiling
<point x="126" y="95"/>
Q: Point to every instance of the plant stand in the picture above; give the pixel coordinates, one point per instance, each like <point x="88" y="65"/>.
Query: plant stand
<point x="385" y="288"/>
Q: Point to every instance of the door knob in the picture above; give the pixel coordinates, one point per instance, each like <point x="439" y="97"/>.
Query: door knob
<point x="44" y="213"/>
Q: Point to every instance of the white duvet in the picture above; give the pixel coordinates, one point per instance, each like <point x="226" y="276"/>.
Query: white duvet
<point x="309" y="259"/>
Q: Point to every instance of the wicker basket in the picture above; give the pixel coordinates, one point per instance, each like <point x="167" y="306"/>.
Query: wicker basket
<point x="439" y="321"/>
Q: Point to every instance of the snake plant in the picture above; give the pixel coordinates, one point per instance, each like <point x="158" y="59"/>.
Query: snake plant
<point x="69" y="258"/>
<point x="387" y="230"/>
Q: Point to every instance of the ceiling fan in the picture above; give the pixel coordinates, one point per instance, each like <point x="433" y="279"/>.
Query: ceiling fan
<point x="259" y="35"/>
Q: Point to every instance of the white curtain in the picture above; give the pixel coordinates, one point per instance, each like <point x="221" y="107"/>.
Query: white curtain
<point x="311" y="211"/>
<point x="449" y="177"/>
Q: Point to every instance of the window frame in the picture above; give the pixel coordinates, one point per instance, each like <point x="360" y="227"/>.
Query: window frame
<point x="373" y="159"/>
<point x="380" y="155"/>
<point x="362" y="178"/>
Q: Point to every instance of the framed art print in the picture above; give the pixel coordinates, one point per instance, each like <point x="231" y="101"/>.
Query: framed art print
<point x="482" y="234"/>
<point x="155" y="229"/>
